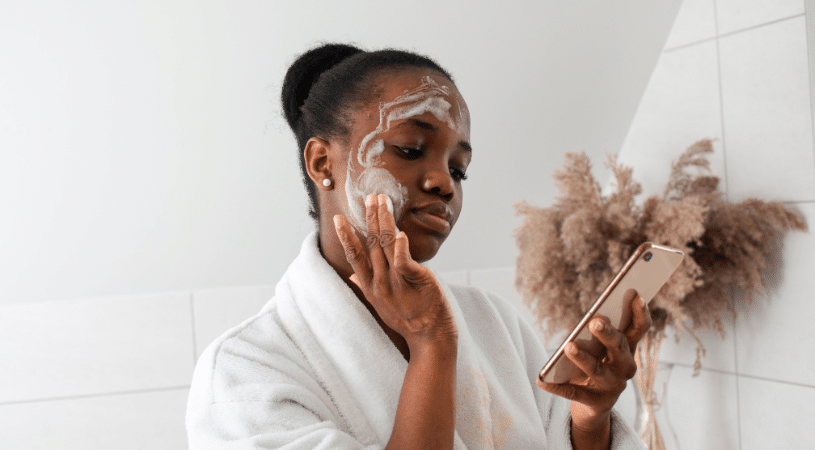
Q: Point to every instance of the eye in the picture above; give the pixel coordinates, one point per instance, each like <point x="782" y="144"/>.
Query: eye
<point x="409" y="153"/>
<point x="458" y="174"/>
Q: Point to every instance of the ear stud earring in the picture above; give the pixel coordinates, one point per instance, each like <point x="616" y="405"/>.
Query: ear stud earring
<point x="326" y="182"/>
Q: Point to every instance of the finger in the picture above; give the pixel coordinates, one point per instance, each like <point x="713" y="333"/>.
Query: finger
<point x="569" y="391"/>
<point x="619" y="359"/>
<point x="379" y="265"/>
<point x="587" y="363"/>
<point x="355" y="253"/>
<point x="640" y="324"/>
<point x="387" y="226"/>
<point x="404" y="263"/>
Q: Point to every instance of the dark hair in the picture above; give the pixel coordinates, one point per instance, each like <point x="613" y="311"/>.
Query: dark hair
<point x="324" y="84"/>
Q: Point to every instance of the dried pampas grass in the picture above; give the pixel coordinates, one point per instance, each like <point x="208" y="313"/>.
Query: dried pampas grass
<point x="570" y="251"/>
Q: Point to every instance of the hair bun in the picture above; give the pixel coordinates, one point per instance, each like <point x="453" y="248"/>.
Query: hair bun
<point x="304" y="72"/>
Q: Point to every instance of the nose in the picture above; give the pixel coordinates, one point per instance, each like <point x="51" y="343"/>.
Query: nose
<point x="439" y="182"/>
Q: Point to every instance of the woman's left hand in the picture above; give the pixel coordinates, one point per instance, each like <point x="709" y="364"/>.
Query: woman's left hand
<point x="595" y="391"/>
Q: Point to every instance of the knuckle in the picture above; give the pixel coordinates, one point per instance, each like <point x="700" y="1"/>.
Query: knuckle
<point x="599" y="368"/>
<point x="622" y="345"/>
<point x="376" y="290"/>
<point x="629" y="371"/>
<point x="620" y="386"/>
<point x="353" y="255"/>
<point x="372" y="240"/>
<point x="387" y="238"/>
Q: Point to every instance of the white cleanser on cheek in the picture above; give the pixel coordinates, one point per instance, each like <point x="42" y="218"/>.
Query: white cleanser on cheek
<point x="430" y="97"/>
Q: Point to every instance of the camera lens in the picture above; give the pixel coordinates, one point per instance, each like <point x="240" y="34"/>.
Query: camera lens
<point x="648" y="256"/>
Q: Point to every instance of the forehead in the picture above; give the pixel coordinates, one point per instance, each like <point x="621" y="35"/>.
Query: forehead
<point x="412" y="92"/>
<point x="414" y="84"/>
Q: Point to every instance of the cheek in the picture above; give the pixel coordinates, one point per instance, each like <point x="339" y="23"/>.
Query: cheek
<point x="371" y="178"/>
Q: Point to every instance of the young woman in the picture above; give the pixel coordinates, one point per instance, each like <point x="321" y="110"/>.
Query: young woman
<point x="362" y="346"/>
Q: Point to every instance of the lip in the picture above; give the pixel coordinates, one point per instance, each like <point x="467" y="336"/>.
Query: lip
<point x="436" y="217"/>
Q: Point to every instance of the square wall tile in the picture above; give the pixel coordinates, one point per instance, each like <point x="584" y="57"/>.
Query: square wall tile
<point x="703" y="410"/>
<point x="696" y="412"/>
<point x="767" y="113"/>
<point x="776" y="415"/>
<point x="734" y="15"/>
<point x="147" y="420"/>
<point x="720" y="354"/>
<point x="90" y="346"/>
<point x="680" y="106"/>
<point x="695" y="21"/>
<point x="218" y="310"/>
<point x="775" y="338"/>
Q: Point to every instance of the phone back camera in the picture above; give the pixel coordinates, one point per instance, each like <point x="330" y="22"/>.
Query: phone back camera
<point x="648" y="256"/>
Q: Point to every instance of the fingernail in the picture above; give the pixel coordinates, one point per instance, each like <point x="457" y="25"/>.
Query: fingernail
<point x="336" y="220"/>
<point x="643" y="305"/>
<point x="598" y="325"/>
<point x="571" y="349"/>
<point x="369" y="200"/>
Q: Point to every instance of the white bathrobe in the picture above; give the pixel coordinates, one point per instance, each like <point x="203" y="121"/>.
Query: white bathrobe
<point x="313" y="369"/>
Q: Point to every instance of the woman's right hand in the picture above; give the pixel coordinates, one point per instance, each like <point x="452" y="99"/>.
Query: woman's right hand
<point x="405" y="294"/>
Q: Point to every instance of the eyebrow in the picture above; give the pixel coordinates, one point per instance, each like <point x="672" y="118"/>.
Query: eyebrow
<point x="433" y="129"/>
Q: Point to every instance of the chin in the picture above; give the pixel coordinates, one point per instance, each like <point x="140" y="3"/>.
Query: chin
<point x="423" y="247"/>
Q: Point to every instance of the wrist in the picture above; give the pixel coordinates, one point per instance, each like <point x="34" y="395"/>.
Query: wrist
<point x="438" y="349"/>
<point x="590" y="429"/>
<point x="587" y="418"/>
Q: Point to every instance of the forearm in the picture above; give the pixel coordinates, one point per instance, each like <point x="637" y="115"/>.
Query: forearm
<point x="425" y="417"/>
<point x="590" y="433"/>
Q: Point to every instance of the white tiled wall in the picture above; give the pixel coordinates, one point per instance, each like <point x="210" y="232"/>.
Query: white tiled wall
<point x="738" y="71"/>
<point x="109" y="372"/>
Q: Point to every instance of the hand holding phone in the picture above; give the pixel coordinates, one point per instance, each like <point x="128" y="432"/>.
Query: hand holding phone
<point x="594" y="381"/>
<point x="644" y="273"/>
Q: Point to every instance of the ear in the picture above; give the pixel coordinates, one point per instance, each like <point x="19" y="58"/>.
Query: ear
<point x="318" y="163"/>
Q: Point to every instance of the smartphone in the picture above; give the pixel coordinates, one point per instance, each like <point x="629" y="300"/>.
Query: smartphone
<point x="646" y="271"/>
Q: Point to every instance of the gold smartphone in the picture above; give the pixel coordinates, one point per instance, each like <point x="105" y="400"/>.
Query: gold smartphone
<point x="646" y="271"/>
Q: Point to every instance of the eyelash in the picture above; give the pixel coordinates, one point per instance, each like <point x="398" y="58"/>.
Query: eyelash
<point x="416" y="153"/>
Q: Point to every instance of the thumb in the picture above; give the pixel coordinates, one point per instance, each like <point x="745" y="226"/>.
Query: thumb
<point x="404" y="264"/>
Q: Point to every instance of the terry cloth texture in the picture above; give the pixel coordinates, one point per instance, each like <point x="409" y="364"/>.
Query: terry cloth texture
<point x="313" y="370"/>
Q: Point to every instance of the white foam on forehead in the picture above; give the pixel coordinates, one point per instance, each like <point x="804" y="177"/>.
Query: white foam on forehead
<point x="429" y="96"/>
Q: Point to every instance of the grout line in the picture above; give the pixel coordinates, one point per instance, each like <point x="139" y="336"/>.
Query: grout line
<point x="730" y="33"/>
<point x="727" y="198"/>
<point x="689" y="44"/>
<point x="736" y="368"/>
<point x="760" y="378"/>
<point x="809" y="29"/>
<point x="99" y="395"/>
<point x="772" y="22"/>
<point x="721" y="104"/>
<point x="192" y="321"/>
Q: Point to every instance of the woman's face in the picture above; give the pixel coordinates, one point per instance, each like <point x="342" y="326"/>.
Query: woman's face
<point x="413" y="145"/>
